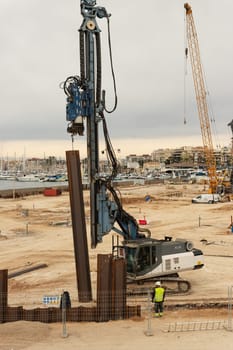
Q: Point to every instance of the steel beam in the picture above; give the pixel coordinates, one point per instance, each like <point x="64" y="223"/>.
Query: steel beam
<point x="79" y="226"/>
<point x="26" y="270"/>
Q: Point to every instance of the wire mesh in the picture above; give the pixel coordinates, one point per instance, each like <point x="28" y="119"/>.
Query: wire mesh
<point x="209" y="325"/>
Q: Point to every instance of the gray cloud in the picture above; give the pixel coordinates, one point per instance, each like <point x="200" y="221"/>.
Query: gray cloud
<point x="39" y="49"/>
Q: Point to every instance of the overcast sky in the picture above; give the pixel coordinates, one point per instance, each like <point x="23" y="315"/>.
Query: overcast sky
<point x="39" y="49"/>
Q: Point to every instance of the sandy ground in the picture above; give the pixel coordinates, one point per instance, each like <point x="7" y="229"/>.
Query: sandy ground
<point x="37" y="229"/>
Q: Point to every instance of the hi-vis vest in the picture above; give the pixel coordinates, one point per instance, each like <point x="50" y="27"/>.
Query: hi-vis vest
<point x="159" y="294"/>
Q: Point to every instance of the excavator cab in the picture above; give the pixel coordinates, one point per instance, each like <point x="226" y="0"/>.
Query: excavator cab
<point x="147" y="259"/>
<point x="142" y="257"/>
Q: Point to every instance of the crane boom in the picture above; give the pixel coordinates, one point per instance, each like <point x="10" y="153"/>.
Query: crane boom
<point x="200" y="92"/>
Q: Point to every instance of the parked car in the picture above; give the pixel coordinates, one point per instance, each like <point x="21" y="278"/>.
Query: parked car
<point x="207" y="198"/>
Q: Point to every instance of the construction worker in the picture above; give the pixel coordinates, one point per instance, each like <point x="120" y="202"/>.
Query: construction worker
<point x="158" y="296"/>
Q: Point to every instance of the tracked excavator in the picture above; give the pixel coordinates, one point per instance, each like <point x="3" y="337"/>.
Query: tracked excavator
<point x="148" y="259"/>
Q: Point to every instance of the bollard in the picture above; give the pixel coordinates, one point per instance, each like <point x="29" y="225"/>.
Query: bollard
<point x="63" y="303"/>
<point x="229" y="327"/>
<point x="149" y="331"/>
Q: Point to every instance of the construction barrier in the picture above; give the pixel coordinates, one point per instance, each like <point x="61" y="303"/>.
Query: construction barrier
<point x="54" y="314"/>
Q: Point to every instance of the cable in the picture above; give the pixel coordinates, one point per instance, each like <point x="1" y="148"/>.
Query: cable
<point x="109" y="149"/>
<point x="124" y="219"/>
<point x="69" y="80"/>
<point x="185" y="69"/>
<point x="98" y="69"/>
<point x="113" y="74"/>
<point x="72" y="141"/>
<point x="210" y="108"/>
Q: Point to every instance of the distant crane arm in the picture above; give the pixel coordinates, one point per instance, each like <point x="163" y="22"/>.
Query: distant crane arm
<point x="200" y="92"/>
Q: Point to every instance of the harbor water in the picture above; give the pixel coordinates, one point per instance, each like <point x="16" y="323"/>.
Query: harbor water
<point x="15" y="185"/>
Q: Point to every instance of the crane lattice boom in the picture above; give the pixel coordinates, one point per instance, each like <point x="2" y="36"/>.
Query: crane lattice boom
<point x="200" y="92"/>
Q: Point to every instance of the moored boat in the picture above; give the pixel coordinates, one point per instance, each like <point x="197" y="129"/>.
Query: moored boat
<point x="28" y="178"/>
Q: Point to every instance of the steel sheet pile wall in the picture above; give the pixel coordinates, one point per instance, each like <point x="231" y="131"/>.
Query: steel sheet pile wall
<point x="104" y="287"/>
<point x="118" y="289"/>
<point x="111" y="290"/>
<point x="111" y="299"/>
<point x="3" y="294"/>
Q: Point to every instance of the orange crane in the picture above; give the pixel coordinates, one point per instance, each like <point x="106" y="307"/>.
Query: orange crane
<point x="200" y="92"/>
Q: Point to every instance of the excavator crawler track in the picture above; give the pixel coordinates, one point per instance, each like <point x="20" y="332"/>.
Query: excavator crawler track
<point x="173" y="285"/>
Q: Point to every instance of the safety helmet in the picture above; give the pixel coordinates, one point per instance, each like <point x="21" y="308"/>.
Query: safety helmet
<point x="157" y="283"/>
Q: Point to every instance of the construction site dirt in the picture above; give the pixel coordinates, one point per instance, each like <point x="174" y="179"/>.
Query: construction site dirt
<point x="37" y="230"/>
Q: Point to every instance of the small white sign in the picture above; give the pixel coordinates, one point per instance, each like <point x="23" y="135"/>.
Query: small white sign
<point x="51" y="299"/>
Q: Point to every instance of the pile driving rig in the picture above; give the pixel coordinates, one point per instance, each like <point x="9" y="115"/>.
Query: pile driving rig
<point x="147" y="259"/>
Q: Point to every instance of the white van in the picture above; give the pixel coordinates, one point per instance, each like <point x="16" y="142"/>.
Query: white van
<point x="207" y="198"/>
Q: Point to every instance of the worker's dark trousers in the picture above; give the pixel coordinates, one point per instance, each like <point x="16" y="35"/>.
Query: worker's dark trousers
<point x="159" y="307"/>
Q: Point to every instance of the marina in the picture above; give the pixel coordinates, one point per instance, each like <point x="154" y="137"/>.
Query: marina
<point x="14" y="184"/>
